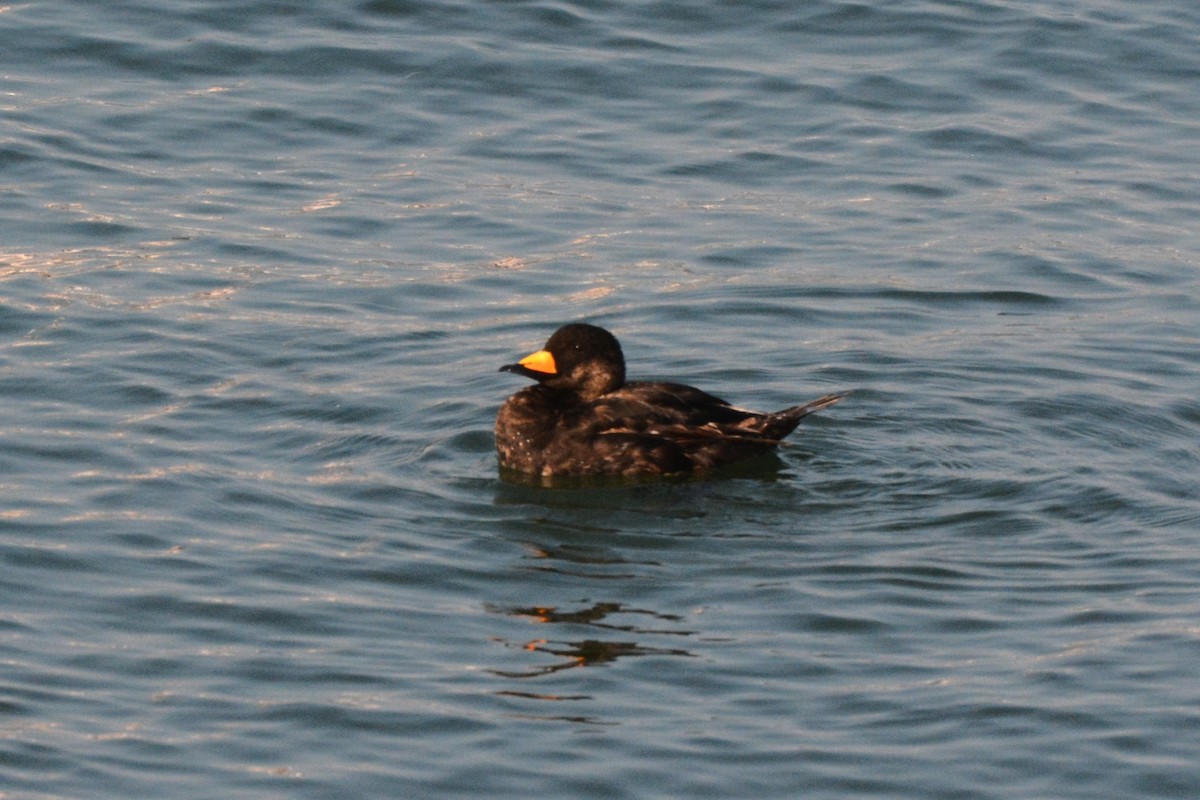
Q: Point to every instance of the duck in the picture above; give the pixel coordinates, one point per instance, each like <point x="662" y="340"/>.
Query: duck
<point x="582" y="418"/>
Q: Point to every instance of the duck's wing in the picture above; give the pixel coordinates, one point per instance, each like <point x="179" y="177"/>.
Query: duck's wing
<point x="657" y="403"/>
<point x="685" y="412"/>
<point x="675" y="424"/>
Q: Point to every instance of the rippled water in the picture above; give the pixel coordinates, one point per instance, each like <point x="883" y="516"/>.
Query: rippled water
<point x="259" y="265"/>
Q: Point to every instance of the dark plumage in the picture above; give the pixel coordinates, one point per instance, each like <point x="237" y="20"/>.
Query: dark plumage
<point x="582" y="418"/>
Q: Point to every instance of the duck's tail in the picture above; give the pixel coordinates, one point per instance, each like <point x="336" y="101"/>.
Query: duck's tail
<point x="780" y="423"/>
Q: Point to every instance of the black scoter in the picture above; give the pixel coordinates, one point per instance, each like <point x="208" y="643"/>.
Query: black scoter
<point x="583" y="419"/>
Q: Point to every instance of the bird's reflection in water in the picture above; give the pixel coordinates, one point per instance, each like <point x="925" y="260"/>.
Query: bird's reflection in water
<point x="595" y="615"/>
<point x="636" y="630"/>
<point x="585" y="653"/>
<point x="589" y="652"/>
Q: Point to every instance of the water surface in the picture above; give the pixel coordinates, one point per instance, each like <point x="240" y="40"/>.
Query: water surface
<point x="259" y="266"/>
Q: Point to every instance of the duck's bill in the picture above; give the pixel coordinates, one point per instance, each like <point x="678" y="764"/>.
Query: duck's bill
<point x="535" y="365"/>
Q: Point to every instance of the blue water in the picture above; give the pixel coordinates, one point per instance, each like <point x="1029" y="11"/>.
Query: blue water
<point x="259" y="263"/>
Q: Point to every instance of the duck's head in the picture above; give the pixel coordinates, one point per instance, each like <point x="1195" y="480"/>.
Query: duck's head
<point x="578" y="358"/>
